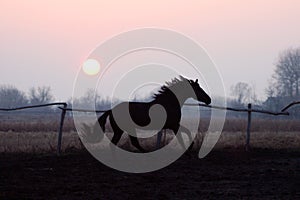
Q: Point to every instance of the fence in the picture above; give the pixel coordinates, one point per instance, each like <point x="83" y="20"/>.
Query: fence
<point x="62" y="118"/>
<point x="249" y="110"/>
<point x="64" y="109"/>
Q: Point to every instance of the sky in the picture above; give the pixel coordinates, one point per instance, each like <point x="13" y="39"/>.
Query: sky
<point x="44" y="43"/>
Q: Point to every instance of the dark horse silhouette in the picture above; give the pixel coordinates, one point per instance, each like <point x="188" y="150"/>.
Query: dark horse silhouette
<point x="127" y="116"/>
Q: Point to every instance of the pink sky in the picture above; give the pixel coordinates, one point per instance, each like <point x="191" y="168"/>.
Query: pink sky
<point x="44" y="42"/>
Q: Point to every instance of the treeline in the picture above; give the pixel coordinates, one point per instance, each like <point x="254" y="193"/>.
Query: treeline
<point x="11" y="97"/>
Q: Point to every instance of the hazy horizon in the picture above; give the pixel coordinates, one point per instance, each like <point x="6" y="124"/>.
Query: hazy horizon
<point x="43" y="43"/>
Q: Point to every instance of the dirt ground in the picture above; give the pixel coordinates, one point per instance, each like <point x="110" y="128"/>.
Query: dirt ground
<point x="223" y="174"/>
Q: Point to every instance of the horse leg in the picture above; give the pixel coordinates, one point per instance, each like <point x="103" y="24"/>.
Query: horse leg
<point x="159" y="135"/>
<point x="117" y="132"/>
<point x="178" y="136"/>
<point x="116" y="138"/>
<point x="189" y="134"/>
<point x="135" y="142"/>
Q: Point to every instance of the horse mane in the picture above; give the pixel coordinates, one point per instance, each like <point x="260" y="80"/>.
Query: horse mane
<point x="165" y="90"/>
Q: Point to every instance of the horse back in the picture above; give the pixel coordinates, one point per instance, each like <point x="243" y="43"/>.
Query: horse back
<point x="139" y="113"/>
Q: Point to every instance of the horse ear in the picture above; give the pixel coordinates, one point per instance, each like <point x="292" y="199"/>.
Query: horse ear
<point x="196" y="81"/>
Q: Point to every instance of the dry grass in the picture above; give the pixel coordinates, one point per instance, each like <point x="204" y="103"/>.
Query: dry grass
<point x="35" y="124"/>
<point x="39" y="142"/>
<point x="257" y="125"/>
<point x="40" y="135"/>
<point x="268" y="140"/>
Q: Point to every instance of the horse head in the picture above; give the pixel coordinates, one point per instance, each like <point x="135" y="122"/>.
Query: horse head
<point x="201" y="95"/>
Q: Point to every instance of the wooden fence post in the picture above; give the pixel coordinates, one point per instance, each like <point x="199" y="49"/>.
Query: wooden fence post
<point x="62" y="118"/>
<point x="248" y="127"/>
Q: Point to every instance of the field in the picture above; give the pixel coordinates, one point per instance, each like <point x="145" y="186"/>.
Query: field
<point x="30" y="169"/>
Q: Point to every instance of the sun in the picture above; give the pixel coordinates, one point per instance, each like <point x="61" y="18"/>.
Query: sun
<point x="91" y="67"/>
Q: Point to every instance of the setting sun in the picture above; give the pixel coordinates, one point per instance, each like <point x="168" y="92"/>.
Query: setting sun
<point x="91" y="67"/>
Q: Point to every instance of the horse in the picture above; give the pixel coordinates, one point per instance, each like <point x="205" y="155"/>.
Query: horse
<point x="128" y="116"/>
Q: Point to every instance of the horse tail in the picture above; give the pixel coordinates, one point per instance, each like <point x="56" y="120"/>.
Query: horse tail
<point x="102" y="119"/>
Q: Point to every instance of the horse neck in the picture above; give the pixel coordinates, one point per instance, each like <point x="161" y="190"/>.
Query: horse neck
<point x="182" y="94"/>
<point x="181" y="99"/>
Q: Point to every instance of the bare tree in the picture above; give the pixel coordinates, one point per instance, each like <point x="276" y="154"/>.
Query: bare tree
<point x="271" y="90"/>
<point x="285" y="83"/>
<point x="40" y="95"/>
<point x="287" y="74"/>
<point x="10" y="97"/>
<point x="242" y="92"/>
<point x="92" y="97"/>
<point x="89" y="98"/>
